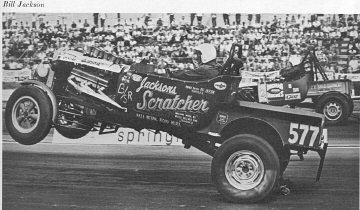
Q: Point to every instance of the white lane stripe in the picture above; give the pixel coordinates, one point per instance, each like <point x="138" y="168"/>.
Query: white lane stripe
<point x="344" y="145"/>
<point x="14" y="142"/>
<point x="6" y="141"/>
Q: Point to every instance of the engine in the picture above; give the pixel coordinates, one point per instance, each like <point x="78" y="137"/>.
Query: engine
<point x="94" y="73"/>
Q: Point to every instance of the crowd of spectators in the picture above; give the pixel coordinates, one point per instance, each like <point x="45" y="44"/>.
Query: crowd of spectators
<point x="267" y="45"/>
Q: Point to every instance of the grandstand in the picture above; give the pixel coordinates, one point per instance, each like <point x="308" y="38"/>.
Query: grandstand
<point x="268" y="40"/>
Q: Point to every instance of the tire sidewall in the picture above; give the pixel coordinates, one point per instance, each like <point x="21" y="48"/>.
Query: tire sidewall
<point x="71" y="133"/>
<point x="45" y="109"/>
<point x="271" y="166"/>
<point x="339" y="99"/>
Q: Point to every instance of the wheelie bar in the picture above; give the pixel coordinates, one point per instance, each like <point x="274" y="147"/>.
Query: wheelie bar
<point x="322" y="154"/>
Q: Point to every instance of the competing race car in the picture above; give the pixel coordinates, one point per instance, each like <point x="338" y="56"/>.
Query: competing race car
<point x="331" y="97"/>
<point x="250" y="142"/>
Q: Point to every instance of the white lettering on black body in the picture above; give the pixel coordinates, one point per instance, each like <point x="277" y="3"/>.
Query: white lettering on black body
<point x="173" y="104"/>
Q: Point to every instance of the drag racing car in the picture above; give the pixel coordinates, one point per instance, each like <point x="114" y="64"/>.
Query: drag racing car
<point x="331" y="97"/>
<point x="250" y="142"/>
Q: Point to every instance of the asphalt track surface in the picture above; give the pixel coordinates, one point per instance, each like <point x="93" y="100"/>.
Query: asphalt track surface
<point x="67" y="176"/>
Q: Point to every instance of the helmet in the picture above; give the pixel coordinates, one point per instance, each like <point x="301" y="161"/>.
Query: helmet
<point x="208" y="52"/>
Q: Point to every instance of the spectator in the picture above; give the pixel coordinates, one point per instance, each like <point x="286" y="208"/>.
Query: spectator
<point x="213" y="20"/>
<point x="182" y="22"/>
<point x="238" y="19"/>
<point x="118" y="15"/>
<point x="271" y="44"/>
<point x="96" y="18"/>
<point x="4" y="20"/>
<point x="33" y="21"/>
<point x="354" y="66"/>
<point x="250" y="17"/>
<point x="171" y="18"/>
<point x="86" y="24"/>
<point x="102" y="19"/>
<point x="147" y="19"/>
<point x="10" y="18"/>
<point x="159" y="22"/>
<point x="73" y="25"/>
<point x="192" y="17"/>
<point x="199" y="17"/>
<point x="258" y="18"/>
<point x="343" y="31"/>
<point x="226" y="19"/>
<point x="42" y="25"/>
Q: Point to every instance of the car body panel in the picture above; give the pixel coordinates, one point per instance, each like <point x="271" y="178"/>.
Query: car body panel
<point x="284" y="121"/>
<point x="318" y="88"/>
<point x="171" y="102"/>
<point x="281" y="93"/>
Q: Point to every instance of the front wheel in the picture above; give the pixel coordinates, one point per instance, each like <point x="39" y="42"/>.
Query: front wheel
<point x="28" y="115"/>
<point x="245" y="169"/>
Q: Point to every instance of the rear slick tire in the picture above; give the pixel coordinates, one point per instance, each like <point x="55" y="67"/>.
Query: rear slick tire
<point x="73" y="133"/>
<point x="245" y="169"/>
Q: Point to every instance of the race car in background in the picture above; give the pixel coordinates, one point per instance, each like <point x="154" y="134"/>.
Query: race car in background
<point x="304" y="81"/>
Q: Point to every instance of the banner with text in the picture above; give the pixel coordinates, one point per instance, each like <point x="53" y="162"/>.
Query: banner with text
<point x="126" y="136"/>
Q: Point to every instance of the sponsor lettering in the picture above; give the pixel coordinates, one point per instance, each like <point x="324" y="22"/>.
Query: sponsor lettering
<point x="220" y="85"/>
<point x="274" y="90"/>
<point x="173" y="104"/>
<point x="146" y="137"/>
<point x="157" y="86"/>
<point x="67" y="58"/>
<point x="222" y="118"/>
<point x="125" y="93"/>
<point x="292" y="96"/>
<point x="200" y="90"/>
<point x="187" y="118"/>
<point x="87" y="61"/>
<point x="161" y="120"/>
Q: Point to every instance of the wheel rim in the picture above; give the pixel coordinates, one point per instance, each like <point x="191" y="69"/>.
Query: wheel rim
<point x="25" y="114"/>
<point x="332" y="110"/>
<point x="244" y="170"/>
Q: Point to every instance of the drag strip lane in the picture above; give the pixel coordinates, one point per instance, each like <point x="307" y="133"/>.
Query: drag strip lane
<point x="140" y="177"/>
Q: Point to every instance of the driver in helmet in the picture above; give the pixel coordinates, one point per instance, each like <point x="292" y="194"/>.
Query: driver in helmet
<point x="205" y="62"/>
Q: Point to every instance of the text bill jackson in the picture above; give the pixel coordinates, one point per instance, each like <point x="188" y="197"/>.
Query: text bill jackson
<point x="22" y="4"/>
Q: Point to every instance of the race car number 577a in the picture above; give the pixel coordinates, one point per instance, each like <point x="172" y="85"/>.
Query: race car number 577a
<point x="299" y="134"/>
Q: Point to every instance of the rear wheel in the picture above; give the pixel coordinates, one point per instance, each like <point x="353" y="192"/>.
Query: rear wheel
<point x="71" y="122"/>
<point x="28" y="115"/>
<point x="74" y="130"/>
<point x="245" y="169"/>
<point x="335" y="107"/>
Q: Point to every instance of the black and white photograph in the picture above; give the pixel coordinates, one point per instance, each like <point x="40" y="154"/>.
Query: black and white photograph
<point x="180" y="108"/>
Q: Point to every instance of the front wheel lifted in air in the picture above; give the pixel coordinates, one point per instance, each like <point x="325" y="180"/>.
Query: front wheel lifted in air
<point x="28" y="115"/>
